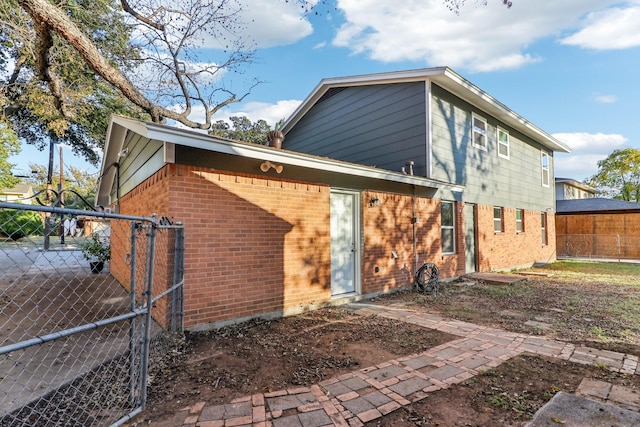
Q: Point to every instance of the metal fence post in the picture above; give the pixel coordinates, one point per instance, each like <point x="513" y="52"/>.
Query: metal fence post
<point x="132" y="306"/>
<point x="177" y="305"/>
<point x="148" y="292"/>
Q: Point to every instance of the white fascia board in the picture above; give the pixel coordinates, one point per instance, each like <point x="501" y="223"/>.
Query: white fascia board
<point x="259" y="152"/>
<point x="499" y="110"/>
<point x="352" y="81"/>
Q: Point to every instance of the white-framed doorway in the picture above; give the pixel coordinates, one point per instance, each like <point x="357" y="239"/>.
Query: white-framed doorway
<point x="345" y="242"/>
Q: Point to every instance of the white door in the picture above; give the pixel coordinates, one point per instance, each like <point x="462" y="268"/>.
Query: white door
<point x="344" y="242"/>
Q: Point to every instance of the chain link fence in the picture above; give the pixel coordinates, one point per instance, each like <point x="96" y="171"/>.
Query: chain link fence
<point x="90" y="307"/>
<point x="612" y="246"/>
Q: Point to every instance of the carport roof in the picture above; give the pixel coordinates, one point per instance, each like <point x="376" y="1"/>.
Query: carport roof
<point x="120" y="126"/>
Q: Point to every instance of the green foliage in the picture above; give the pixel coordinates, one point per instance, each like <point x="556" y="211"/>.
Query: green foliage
<point x="17" y="224"/>
<point x="242" y="129"/>
<point x="33" y="112"/>
<point x="618" y="175"/>
<point x="96" y="248"/>
<point x="75" y="180"/>
<point x="9" y="146"/>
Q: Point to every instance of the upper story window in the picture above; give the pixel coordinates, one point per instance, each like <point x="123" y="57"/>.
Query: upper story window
<point x="497" y="220"/>
<point x="503" y="143"/>
<point x="519" y="220"/>
<point x="544" y="162"/>
<point x="479" y="131"/>
<point x="447" y="227"/>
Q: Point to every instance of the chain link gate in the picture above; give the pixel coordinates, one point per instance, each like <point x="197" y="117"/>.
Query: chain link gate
<point x="77" y="345"/>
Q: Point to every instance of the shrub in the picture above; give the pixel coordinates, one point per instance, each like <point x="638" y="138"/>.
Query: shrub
<point x="17" y="224"/>
<point x="96" y="249"/>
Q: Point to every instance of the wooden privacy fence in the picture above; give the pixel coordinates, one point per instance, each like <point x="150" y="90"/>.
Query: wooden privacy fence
<point x="618" y="246"/>
<point x="599" y="235"/>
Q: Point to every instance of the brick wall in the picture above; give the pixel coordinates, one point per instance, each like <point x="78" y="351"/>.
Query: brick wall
<point x="256" y="244"/>
<point x="389" y="232"/>
<point x="252" y="244"/>
<point x="509" y="249"/>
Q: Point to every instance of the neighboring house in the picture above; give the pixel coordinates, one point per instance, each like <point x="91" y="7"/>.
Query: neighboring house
<point x="21" y="193"/>
<point x="339" y="213"/>
<point x="570" y="189"/>
<point x="598" y="228"/>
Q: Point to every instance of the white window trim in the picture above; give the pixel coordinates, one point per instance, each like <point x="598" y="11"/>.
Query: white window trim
<point x="520" y="221"/>
<point x="501" y="220"/>
<point x="484" y="147"/>
<point x="508" y="144"/>
<point x="545" y="171"/>
<point x="449" y="227"/>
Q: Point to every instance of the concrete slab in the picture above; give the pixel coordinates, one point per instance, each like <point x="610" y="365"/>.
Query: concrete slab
<point x="570" y="410"/>
<point x="497" y="278"/>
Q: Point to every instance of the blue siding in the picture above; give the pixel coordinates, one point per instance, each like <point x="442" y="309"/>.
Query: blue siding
<point x="380" y="125"/>
<point x="489" y="179"/>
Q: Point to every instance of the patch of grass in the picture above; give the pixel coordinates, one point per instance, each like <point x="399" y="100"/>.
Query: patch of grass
<point x="602" y="365"/>
<point x="618" y="273"/>
<point x="599" y="333"/>
<point x="588" y="267"/>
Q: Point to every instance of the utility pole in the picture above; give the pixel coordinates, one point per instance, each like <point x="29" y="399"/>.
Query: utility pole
<point x="47" y="219"/>
<point x="61" y="198"/>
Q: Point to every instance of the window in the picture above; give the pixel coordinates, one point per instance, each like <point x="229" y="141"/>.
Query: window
<point x="503" y="143"/>
<point x="497" y="220"/>
<point x="543" y="227"/>
<point x="544" y="160"/>
<point x="479" y="131"/>
<point x="519" y="220"/>
<point x="447" y="227"/>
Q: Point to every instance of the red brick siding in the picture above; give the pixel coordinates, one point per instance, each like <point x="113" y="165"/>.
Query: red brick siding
<point x="508" y="249"/>
<point x="252" y="244"/>
<point x="149" y="197"/>
<point x="388" y="227"/>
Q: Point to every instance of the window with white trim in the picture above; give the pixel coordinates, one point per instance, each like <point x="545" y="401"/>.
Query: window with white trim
<point x="519" y="220"/>
<point x="497" y="220"/>
<point x="448" y="227"/>
<point x="479" y="131"/>
<point x="543" y="227"/>
<point x="503" y="143"/>
<point x="544" y="163"/>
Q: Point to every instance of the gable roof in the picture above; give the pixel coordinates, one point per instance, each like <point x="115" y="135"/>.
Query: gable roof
<point x="576" y="184"/>
<point x="19" y="189"/>
<point x="596" y="205"/>
<point x="447" y="79"/>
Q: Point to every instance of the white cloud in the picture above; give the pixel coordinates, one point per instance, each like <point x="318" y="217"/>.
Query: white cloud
<point x="271" y="113"/>
<point x="614" y="28"/>
<point x="606" y="99"/>
<point x="587" y="148"/>
<point x="479" y="39"/>
<point x="275" y="22"/>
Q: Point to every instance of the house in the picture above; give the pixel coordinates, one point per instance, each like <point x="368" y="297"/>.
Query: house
<point x="570" y="189"/>
<point x="377" y="175"/>
<point x="21" y="193"/>
<point x="598" y="228"/>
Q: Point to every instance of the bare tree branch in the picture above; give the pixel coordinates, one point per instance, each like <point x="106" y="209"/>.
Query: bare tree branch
<point x="127" y="8"/>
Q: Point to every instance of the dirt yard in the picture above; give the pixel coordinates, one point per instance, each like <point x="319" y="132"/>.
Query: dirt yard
<point x="597" y="305"/>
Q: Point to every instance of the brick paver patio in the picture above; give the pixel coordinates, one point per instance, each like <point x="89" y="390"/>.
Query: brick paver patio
<point x="353" y="399"/>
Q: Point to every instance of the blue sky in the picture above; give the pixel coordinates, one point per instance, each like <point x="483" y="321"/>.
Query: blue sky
<point x="571" y="67"/>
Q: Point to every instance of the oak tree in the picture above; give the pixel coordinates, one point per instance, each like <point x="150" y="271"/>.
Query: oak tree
<point x="618" y="175"/>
